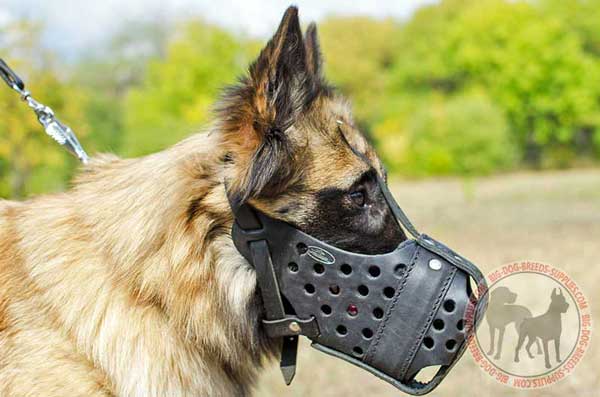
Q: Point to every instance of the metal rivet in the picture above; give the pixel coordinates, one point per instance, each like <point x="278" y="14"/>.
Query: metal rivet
<point x="294" y="327"/>
<point x="435" y="264"/>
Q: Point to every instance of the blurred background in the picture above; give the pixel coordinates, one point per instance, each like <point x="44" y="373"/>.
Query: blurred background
<point x="456" y="87"/>
<point x="487" y="113"/>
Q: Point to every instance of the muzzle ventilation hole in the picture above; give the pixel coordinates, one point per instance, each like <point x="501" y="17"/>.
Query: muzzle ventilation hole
<point x="357" y="351"/>
<point x="301" y="248"/>
<point x="399" y="270"/>
<point x="374" y="271"/>
<point x="438" y="324"/>
<point x="326" y="309"/>
<point x="352" y="310"/>
<point x="389" y="292"/>
<point x="449" y="305"/>
<point x="450" y="344"/>
<point x="309" y="288"/>
<point x="428" y="342"/>
<point x="334" y="289"/>
<point x="341" y="330"/>
<point x="346" y="269"/>
<point x="367" y="333"/>
<point x="293" y="267"/>
<point x="319" y="269"/>
<point x="363" y="290"/>
<point x="378" y="313"/>
<point x="460" y="325"/>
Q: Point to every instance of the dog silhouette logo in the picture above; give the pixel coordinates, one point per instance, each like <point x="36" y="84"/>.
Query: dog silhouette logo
<point x="501" y="313"/>
<point x="545" y="327"/>
<point x="536" y="328"/>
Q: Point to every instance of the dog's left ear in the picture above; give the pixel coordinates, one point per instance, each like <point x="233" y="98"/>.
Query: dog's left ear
<point x="259" y="114"/>
<point x="313" y="52"/>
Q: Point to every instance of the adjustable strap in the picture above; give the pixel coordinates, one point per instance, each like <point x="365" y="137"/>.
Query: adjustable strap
<point x="265" y="273"/>
<point x="396" y="210"/>
<point x="277" y="323"/>
<point x="269" y="289"/>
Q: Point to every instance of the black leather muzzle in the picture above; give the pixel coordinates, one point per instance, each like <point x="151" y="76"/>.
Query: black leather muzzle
<point x="392" y="314"/>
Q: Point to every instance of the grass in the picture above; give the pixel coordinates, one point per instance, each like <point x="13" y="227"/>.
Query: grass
<point x="546" y="217"/>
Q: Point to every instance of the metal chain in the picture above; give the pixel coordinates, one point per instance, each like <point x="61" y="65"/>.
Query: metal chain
<point x="60" y="132"/>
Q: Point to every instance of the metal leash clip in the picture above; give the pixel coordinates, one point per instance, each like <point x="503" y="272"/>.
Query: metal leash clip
<point x="60" y="132"/>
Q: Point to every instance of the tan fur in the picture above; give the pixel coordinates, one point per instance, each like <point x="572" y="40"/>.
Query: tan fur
<point x="108" y="289"/>
<point x="129" y="283"/>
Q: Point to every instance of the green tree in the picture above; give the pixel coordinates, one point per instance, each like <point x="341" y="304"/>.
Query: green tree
<point x="530" y="64"/>
<point x="462" y="135"/>
<point x="358" y="53"/>
<point x="108" y="74"/>
<point x="177" y="92"/>
<point x="581" y="16"/>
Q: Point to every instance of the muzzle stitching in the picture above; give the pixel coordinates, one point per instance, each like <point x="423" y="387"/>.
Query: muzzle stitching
<point x="373" y="349"/>
<point x="427" y="323"/>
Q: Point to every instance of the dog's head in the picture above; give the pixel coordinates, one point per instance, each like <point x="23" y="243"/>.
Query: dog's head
<point x="558" y="302"/>
<point x="502" y="295"/>
<point x="295" y="152"/>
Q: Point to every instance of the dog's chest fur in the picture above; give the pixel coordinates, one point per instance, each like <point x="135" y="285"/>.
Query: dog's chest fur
<point x="129" y="284"/>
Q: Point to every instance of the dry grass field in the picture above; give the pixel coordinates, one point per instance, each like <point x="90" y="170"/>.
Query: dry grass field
<point x="547" y="217"/>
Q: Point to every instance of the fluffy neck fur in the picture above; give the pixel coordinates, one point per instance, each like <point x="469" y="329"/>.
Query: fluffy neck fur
<point x="137" y="265"/>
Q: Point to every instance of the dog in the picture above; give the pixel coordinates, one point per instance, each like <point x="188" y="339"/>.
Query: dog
<point x="502" y="312"/>
<point x="128" y="284"/>
<point x="547" y="327"/>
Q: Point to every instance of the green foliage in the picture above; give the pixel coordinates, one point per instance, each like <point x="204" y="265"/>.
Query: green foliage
<point x="581" y="16"/>
<point x="358" y="51"/>
<point x="462" y="135"/>
<point x="177" y="93"/>
<point x="530" y="64"/>
<point x="462" y="87"/>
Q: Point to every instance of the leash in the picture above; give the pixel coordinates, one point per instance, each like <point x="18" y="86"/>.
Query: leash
<point x="58" y="131"/>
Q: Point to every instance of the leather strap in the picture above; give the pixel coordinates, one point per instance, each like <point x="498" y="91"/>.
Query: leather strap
<point x="400" y="216"/>
<point x="276" y="322"/>
<point x="267" y="280"/>
<point x="291" y="326"/>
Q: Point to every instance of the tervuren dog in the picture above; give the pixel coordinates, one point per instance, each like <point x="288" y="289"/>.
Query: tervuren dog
<point x="129" y="283"/>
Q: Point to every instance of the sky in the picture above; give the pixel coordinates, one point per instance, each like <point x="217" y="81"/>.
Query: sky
<point x="72" y="26"/>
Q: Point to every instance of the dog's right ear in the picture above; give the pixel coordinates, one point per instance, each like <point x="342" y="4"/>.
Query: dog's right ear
<point x="258" y="114"/>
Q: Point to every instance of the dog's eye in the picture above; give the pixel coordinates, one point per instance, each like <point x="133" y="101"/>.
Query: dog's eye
<point x="358" y="197"/>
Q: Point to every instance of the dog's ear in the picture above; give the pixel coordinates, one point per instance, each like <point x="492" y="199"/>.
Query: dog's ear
<point x="313" y="51"/>
<point x="280" y="77"/>
<point x="259" y="113"/>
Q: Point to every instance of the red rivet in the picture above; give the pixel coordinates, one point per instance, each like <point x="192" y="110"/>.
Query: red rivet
<point x="352" y="310"/>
